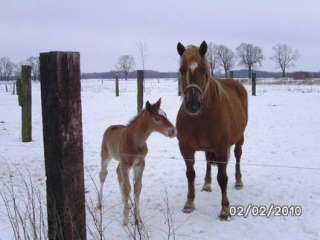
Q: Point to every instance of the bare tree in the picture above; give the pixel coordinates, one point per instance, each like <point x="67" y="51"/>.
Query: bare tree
<point x="225" y="58"/>
<point x="17" y="69"/>
<point x="6" y="68"/>
<point x="142" y="49"/>
<point x="284" y="57"/>
<point x="250" y="56"/>
<point x="212" y="57"/>
<point x="125" y="64"/>
<point x="34" y="63"/>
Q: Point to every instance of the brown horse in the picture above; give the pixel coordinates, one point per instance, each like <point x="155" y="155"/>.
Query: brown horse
<point x="212" y="118"/>
<point x="127" y="144"/>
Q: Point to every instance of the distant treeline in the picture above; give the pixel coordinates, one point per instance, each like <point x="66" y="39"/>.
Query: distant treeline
<point x="243" y="73"/>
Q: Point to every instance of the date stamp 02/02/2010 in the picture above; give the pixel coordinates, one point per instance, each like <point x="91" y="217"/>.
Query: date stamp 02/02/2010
<point x="271" y="210"/>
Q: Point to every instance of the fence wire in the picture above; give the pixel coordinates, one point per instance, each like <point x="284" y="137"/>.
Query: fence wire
<point x="242" y="163"/>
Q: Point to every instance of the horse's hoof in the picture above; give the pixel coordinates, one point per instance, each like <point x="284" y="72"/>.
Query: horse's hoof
<point x="99" y="206"/>
<point x="188" y="207"/>
<point x="206" y="187"/>
<point x="238" y="185"/>
<point x="225" y="214"/>
<point x="138" y="221"/>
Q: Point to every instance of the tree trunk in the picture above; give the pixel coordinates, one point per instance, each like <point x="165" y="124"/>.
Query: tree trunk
<point x="283" y="73"/>
<point x="225" y="73"/>
<point x="126" y="75"/>
<point x="250" y="72"/>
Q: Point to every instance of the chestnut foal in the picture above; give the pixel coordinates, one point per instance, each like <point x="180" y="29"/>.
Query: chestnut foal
<point x="127" y="144"/>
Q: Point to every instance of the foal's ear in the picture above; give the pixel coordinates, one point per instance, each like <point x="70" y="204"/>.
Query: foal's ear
<point x="148" y="106"/>
<point x="157" y="104"/>
<point x="203" y="48"/>
<point x="180" y="48"/>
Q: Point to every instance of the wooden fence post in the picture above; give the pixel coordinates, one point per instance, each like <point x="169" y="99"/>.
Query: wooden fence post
<point x="13" y="88"/>
<point x="231" y="74"/>
<point x="18" y="84"/>
<point x="117" y="85"/>
<point x="63" y="144"/>
<point x="26" y="104"/>
<point x="140" y="77"/>
<point x="254" y="76"/>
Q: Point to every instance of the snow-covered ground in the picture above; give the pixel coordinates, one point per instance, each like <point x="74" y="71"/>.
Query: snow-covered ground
<point x="280" y="163"/>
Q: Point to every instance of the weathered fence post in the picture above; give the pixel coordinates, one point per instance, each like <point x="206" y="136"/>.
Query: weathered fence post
<point x="140" y="89"/>
<point x="117" y="85"/>
<point x="63" y="144"/>
<point x="254" y="76"/>
<point x="13" y="88"/>
<point x="18" y="83"/>
<point x="231" y="74"/>
<point x="26" y="104"/>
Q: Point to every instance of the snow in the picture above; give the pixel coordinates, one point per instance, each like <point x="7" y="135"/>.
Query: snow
<point x="280" y="163"/>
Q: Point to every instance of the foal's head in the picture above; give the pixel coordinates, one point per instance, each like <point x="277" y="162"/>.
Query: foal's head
<point x="194" y="75"/>
<point x="158" y="120"/>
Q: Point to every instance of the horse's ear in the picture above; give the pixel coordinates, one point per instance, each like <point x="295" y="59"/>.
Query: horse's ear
<point x="180" y="48"/>
<point x="203" y="48"/>
<point x="157" y="104"/>
<point x="148" y="106"/>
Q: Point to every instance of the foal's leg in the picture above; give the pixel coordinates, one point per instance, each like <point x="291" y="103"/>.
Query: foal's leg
<point x="223" y="182"/>
<point x="138" y="171"/>
<point x="188" y="155"/>
<point x="105" y="159"/>
<point x="238" y="153"/>
<point x="123" y="177"/>
<point x="207" y="179"/>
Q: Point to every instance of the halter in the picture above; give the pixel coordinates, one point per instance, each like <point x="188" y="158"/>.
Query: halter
<point x="197" y="87"/>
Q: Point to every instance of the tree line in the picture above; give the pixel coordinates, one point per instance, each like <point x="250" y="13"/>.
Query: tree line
<point x="221" y="56"/>
<point x="249" y="56"/>
<point x="10" y="70"/>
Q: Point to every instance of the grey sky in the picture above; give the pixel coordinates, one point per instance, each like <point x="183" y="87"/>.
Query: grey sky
<point x="103" y="30"/>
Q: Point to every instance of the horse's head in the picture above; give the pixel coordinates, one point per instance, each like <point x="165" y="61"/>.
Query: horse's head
<point x="158" y="120"/>
<point x="194" y="75"/>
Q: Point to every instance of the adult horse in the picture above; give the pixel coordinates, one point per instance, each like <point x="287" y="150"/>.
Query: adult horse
<point x="212" y="118"/>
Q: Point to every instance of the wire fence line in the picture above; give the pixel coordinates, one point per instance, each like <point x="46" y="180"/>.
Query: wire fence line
<point x="243" y="163"/>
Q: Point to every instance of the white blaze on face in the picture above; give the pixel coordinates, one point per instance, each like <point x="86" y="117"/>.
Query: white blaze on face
<point x="162" y="113"/>
<point x="193" y="66"/>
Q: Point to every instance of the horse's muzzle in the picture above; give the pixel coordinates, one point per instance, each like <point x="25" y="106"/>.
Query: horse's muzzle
<point x="193" y="106"/>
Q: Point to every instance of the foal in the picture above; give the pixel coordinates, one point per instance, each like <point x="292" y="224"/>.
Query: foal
<point x="127" y="144"/>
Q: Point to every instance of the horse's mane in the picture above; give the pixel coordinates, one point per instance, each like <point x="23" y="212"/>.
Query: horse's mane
<point x="135" y="118"/>
<point x="215" y="90"/>
<point x="219" y="88"/>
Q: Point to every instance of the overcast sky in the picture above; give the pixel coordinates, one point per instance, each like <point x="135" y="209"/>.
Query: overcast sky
<point x="104" y="30"/>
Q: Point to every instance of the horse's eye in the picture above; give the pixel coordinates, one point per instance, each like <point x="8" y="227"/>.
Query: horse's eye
<point x="182" y="70"/>
<point x="157" y="119"/>
<point x="203" y="70"/>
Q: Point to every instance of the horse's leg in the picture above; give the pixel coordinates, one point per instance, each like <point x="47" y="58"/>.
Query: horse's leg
<point x="207" y="179"/>
<point x="105" y="159"/>
<point x="188" y="155"/>
<point x="238" y="153"/>
<point x="138" y="171"/>
<point x="123" y="177"/>
<point x="223" y="182"/>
